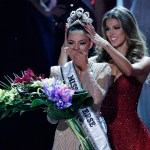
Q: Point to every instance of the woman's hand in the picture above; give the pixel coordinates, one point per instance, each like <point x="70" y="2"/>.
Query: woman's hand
<point x="80" y="59"/>
<point x="95" y="37"/>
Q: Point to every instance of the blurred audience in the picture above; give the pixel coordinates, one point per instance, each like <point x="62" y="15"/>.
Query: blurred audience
<point x="100" y="8"/>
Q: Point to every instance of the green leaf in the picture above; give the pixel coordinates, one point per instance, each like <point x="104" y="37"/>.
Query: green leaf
<point x="5" y="86"/>
<point x="80" y="99"/>
<point x="2" y="106"/>
<point x="5" y="114"/>
<point x="37" y="102"/>
<point x="21" y="112"/>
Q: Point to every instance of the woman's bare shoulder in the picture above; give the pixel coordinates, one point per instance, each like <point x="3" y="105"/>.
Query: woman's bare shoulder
<point x="145" y="61"/>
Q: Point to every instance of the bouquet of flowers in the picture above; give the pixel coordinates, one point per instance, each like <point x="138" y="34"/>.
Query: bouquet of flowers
<point x="57" y="99"/>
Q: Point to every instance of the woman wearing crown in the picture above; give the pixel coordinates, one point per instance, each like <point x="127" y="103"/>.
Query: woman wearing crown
<point x="80" y="73"/>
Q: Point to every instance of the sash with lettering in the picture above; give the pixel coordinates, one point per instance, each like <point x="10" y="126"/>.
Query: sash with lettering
<point x="87" y="117"/>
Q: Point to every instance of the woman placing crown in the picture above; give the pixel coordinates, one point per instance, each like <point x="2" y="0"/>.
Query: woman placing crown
<point x="124" y="48"/>
<point x="82" y="74"/>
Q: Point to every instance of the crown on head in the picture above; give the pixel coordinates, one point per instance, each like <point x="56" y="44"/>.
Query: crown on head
<point x="79" y="17"/>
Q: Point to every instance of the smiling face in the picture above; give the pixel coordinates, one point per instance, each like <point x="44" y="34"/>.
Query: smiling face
<point x="79" y="41"/>
<point x="116" y="34"/>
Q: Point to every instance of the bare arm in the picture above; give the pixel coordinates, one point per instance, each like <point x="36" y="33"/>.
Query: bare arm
<point x="140" y="70"/>
<point x="63" y="57"/>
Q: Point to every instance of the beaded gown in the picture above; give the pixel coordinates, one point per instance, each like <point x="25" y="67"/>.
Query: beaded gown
<point x="65" y="139"/>
<point x="126" y="131"/>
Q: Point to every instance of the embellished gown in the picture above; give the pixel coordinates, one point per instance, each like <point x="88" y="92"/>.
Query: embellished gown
<point x="126" y="131"/>
<point x="65" y="139"/>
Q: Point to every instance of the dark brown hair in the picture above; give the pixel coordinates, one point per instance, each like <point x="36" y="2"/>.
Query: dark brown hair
<point x="135" y="39"/>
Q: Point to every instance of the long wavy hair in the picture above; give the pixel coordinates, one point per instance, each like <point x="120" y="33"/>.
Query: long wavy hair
<point x="135" y="39"/>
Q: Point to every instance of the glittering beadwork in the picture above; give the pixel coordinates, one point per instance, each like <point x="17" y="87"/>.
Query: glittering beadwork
<point x="64" y="137"/>
<point x="119" y="108"/>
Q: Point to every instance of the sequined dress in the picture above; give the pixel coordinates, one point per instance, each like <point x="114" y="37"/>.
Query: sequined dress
<point x="119" y="108"/>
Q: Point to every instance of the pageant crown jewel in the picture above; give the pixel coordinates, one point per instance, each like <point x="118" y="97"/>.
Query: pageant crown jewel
<point x="79" y="17"/>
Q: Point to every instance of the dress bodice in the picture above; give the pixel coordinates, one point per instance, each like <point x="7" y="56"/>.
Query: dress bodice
<point x="119" y="108"/>
<point x="122" y="97"/>
<point x="65" y="139"/>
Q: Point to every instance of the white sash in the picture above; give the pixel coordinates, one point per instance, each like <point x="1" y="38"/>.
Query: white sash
<point x="90" y="122"/>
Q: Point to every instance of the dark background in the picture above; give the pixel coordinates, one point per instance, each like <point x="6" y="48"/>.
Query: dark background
<point x="28" y="39"/>
<point x="22" y="47"/>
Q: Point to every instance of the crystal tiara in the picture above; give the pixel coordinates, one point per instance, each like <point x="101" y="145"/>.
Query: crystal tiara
<point x="79" y="17"/>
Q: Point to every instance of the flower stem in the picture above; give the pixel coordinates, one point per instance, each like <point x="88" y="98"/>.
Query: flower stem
<point x="79" y="132"/>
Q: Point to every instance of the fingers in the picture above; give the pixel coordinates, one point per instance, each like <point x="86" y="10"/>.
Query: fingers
<point x="91" y="31"/>
<point x="84" y="53"/>
<point x="67" y="26"/>
<point x="66" y="49"/>
<point x="72" y="54"/>
<point x="79" y="58"/>
<point x="76" y="56"/>
<point x="90" y="28"/>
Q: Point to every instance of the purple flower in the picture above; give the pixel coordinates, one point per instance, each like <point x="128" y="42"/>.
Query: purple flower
<point x="66" y="93"/>
<point x="58" y="93"/>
